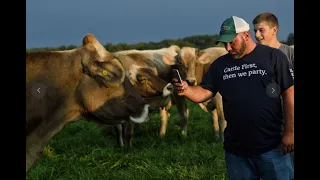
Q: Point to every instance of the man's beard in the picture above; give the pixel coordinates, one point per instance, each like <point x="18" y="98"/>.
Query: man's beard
<point x="239" y="54"/>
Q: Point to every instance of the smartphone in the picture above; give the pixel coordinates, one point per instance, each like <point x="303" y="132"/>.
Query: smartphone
<point x="176" y="74"/>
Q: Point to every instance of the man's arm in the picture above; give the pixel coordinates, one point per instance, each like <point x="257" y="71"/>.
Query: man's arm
<point x="284" y="77"/>
<point x="288" y="103"/>
<point x="288" y="136"/>
<point x="198" y="94"/>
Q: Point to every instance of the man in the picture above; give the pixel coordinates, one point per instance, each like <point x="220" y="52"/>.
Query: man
<point x="250" y="79"/>
<point x="266" y="29"/>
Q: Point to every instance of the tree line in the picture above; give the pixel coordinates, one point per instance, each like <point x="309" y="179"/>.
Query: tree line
<point x="197" y="41"/>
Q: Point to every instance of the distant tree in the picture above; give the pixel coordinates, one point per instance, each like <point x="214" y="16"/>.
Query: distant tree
<point x="139" y="46"/>
<point x="71" y="47"/>
<point x="290" y="39"/>
<point x="197" y="41"/>
<point x="63" y="47"/>
<point x="109" y="47"/>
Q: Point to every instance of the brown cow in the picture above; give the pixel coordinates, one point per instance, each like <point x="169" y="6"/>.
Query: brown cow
<point x="158" y="63"/>
<point x="87" y="82"/>
<point x="199" y="61"/>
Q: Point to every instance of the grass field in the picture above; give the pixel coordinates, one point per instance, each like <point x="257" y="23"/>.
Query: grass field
<point x="81" y="151"/>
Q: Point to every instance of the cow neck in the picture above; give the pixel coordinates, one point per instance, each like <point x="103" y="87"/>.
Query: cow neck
<point x="77" y="65"/>
<point x="153" y="98"/>
<point x="70" y="81"/>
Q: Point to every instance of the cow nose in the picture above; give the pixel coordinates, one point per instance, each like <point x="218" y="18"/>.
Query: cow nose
<point x="191" y="82"/>
<point x="167" y="90"/>
<point x="170" y="87"/>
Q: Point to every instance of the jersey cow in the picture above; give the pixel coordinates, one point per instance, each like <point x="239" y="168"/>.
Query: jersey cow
<point x="198" y="63"/>
<point x="158" y="64"/>
<point x="87" y="82"/>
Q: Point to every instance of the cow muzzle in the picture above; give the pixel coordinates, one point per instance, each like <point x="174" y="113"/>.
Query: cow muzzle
<point x="167" y="90"/>
<point x="191" y="82"/>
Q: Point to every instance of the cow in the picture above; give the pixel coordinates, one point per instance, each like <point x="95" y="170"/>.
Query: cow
<point x="158" y="63"/>
<point x="198" y="62"/>
<point x="86" y="82"/>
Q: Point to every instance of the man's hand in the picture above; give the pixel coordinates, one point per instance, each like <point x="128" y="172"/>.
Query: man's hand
<point x="287" y="143"/>
<point x="195" y="94"/>
<point x="180" y="88"/>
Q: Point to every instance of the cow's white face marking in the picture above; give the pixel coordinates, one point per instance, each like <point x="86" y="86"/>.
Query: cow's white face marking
<point x="144" y="115"/>
<point x="167" y="90"/>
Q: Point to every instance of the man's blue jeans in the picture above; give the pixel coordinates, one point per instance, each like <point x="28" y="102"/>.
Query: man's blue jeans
<point x="272" y="165"/>
<point x="292" y="159"/>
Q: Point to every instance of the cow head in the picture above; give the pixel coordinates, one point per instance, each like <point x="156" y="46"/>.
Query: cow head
<point x="209" y="55"/>
<point x="197" y="61"/>
<point x="187" y="59"/>
<point x="100" y="64"/>
<point x="148" y="82"/>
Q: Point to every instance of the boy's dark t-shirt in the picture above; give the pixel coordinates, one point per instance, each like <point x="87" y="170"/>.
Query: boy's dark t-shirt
<point x="254" y="117"/>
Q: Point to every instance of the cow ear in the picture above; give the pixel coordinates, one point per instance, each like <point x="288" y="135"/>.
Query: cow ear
<point x="204" y="58"/>
<point x="90" y="40"/>
<point x="175" y="48"/>
<point x="101" y="65"/>
<point x="168" y="59"/>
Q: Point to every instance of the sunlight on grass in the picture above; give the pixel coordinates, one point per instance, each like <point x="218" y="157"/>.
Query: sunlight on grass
<point x="48" y="151"/>
<point x="82" y="151"/>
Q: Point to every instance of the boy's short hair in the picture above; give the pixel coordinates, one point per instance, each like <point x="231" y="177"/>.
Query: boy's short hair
<point x="267" y="17"/>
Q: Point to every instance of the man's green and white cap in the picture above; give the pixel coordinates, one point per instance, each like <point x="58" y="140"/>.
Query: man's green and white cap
<point x="231" y="27"/>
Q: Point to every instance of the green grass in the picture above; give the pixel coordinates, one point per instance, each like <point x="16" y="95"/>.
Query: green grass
<point x="81" y="151"/>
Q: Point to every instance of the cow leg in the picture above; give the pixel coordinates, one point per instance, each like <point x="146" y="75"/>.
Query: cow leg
<point x="222" y="126"/>
<point x="116" y="130"/>
<point x="183" y="113"/>
<point x="220" y="114"/>
<point x="215" y="123"/>
<point x="164" y="115"/>
<point x="203" y="107"/>
<point x="38" y="139"/>
<point x="128" y="131"/>
<point x="33" y="148"/>
<point x="119" y="131"/>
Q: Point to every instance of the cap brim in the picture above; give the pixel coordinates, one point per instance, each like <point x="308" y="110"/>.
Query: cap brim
<point x="226" y="38"/>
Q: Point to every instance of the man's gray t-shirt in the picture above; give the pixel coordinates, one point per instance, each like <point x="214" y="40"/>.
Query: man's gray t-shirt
<point x="289" y="52"/>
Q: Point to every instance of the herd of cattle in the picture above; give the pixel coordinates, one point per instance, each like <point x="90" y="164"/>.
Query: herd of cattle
<point x="117" y="89"/>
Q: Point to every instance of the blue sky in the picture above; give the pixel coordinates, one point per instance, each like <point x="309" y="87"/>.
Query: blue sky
<point x="52" y="23"/>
